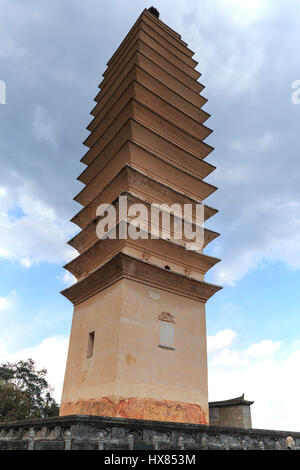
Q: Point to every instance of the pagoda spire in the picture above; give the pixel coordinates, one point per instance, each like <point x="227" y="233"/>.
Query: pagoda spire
<point x="154" y="11"/>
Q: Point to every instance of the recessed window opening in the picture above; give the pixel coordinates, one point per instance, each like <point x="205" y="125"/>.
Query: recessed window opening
<point x="167" y="267"/>
<point x="91" y="341"/>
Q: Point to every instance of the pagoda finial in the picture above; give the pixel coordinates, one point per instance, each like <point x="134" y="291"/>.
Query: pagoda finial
<point x="154" y="11"/>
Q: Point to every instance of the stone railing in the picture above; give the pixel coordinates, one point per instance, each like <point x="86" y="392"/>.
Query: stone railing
<point x="102" y="433"/>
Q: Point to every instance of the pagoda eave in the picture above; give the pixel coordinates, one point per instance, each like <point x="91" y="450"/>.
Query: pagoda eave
<point x="140" y="69"/>
<point x="158" y="73"/>
<point x="164" y="251"/>
<point x="123" y="266"/>
<point x="188" y="185"/>
<point x="87" y="236"/>
<point x="142" y="46"/>
<point x="144" y="22"/>
<point x="155" y="107"/>
<point x="155" y="147"/>
<point x="126" y="128"/>
<point x="132" y="181"/>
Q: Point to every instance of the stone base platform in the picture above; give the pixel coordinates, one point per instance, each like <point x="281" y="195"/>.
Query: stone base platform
<point x="79" y="432"/>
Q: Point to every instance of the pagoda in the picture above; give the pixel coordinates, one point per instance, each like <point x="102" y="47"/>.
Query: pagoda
<point x="138" y="338"/>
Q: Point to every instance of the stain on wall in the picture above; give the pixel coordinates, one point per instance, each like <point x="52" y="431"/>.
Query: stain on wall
<point x="137" y="408"/>
<point x="130" y="359"/>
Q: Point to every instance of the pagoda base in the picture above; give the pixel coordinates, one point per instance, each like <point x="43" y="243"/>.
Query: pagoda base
<point x="137" y="408"/>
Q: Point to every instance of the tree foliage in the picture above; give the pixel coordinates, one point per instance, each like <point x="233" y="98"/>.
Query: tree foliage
<point x="25" y="392"/>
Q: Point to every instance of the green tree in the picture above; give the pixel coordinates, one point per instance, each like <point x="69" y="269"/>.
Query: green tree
<point x="14" y="404"/>
<point x="25" y="392"/>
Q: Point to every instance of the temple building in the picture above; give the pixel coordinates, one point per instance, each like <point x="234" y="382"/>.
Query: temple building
<point x="138" y="339"/>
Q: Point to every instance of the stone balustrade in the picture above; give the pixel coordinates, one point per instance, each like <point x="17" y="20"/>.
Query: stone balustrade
<point x="102" y="433"/>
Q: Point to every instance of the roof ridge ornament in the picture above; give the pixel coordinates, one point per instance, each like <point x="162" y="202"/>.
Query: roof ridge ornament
<point x="154" y="11"/>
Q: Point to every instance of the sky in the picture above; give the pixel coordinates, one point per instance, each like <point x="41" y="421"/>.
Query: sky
<point x="52" y="56"/>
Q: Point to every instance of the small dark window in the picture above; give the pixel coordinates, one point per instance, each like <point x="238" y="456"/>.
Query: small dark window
<point x="167" y="267"/>
<point x="91" y="344"/>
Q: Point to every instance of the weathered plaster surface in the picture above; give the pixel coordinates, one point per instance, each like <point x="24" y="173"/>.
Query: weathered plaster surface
<point x="138" y="408"/>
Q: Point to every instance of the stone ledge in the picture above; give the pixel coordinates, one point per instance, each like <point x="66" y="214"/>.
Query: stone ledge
<point x="125" y="266"/>
<point x="102" y="433"/>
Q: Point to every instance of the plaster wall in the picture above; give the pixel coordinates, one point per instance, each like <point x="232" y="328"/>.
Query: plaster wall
<point x="130" y="374"/>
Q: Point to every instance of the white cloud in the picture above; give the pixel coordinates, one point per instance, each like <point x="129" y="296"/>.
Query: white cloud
<point x="296" y="344"/>
<point x="264" y="231"/>
<point x="243" y="13"/>
<point x="3" y="192"/>
<point x="264" y="349"/>
<point x="7" y="302"/>
<point x="231" y="53"/>
<point x="9" y="49"/>
<point x="267" y="373"/>
<point x="220" y="340"/>
<point x="50" y="354"/>
<point x="37" y="235"/>
<point x="44" y="126"/>
<point x="236" y="266"/>
<point x="67" y="278"/>
<point x="26" y="263"/>
<point x="264" y="220"/>
<point x="226" y="358"/>
<point x="260" y="169"/>
<point x="3" y="303"/>
<point x="261" y="142"/>
<point x="266" y="140"/>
